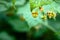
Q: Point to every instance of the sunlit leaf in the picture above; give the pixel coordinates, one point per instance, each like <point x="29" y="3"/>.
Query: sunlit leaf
<point x="37" y="3"/>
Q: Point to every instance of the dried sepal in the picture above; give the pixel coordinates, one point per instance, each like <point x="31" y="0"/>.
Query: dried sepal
<point x="41" y="9"/>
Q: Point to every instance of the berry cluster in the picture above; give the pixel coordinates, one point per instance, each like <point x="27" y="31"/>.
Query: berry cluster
<point x="49" y="14"/>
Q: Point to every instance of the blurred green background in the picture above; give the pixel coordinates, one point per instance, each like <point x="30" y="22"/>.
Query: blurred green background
<point x="17" y="22"/>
